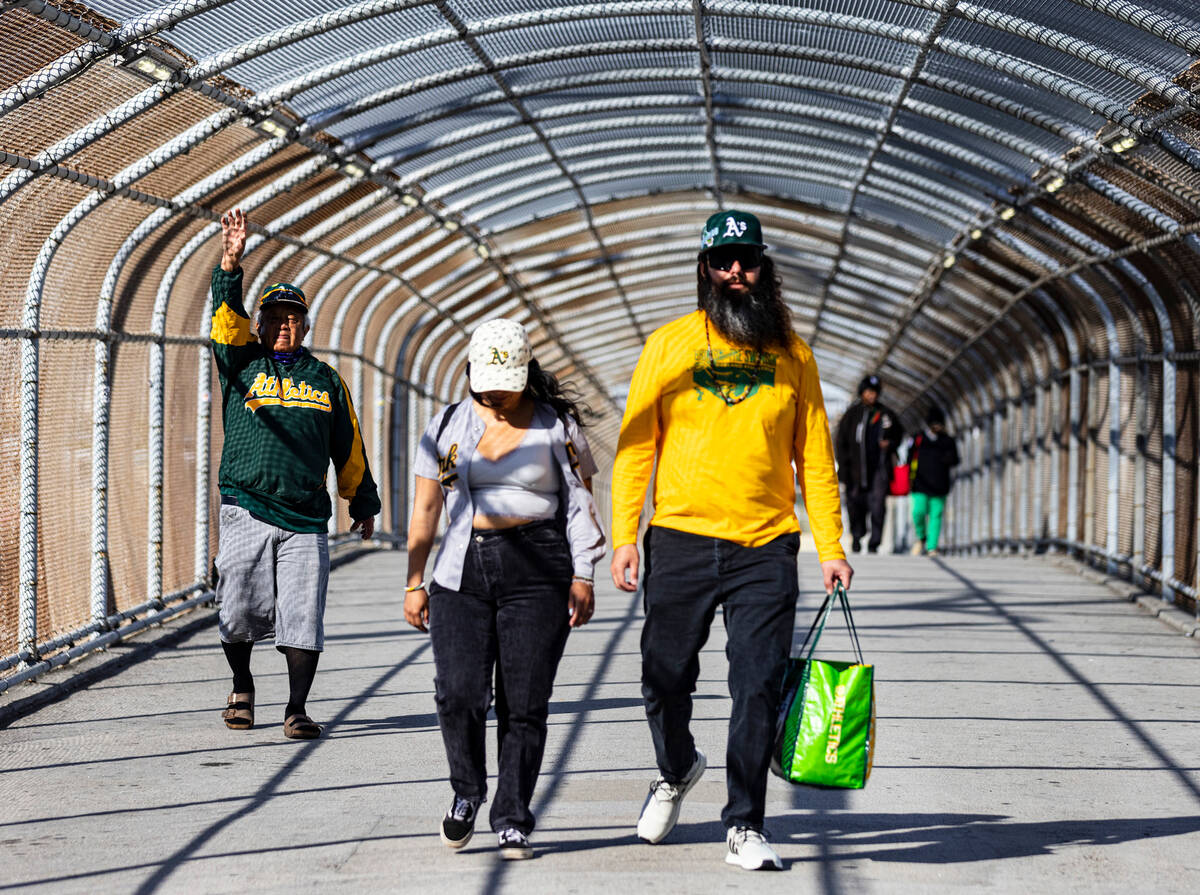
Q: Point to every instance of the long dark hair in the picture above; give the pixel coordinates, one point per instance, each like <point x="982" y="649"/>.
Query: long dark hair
<point x="543" y="386"/>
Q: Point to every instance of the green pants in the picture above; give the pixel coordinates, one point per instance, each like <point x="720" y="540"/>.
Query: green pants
<point x="932" y="506"/>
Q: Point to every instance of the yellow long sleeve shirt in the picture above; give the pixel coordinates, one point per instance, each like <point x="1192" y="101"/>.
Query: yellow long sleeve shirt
<point x="725" y="471"/>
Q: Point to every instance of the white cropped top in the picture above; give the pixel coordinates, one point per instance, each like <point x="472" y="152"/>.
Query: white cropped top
<point x="523" y="483"/>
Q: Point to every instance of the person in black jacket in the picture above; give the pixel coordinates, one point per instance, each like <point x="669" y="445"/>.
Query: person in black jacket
<point x="866" y="444"/>
<point x="934" y="454"/>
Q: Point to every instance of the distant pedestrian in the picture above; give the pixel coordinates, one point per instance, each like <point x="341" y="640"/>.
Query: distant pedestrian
<point x="867" y="438"/>
<point x="513" y="575"/>
<point x="933" y="455"/>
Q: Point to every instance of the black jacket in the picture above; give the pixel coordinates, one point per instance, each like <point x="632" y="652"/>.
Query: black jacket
<point x="933" y="456"/>
<point x="858" y="437"/>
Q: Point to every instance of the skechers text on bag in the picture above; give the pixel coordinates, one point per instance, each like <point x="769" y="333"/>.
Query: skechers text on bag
<point x="825" y="733"/>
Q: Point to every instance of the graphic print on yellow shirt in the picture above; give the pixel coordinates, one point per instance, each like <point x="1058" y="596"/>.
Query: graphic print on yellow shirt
<point x="725" y="465"/>
<point x="739" y="373"/>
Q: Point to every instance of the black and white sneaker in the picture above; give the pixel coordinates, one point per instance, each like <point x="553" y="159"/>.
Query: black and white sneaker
<point x="748" y="849"/>
<point x="514" y="845"/>
<point x="459" y="823"/>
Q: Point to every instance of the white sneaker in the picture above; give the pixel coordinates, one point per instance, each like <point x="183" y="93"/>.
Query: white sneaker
<point x="661" y="810"/>
<point x="749" y="850"/>
<point x="917" y="549"/>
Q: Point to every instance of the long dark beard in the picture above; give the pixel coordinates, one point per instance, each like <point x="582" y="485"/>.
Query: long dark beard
<point x="759" y="319"/>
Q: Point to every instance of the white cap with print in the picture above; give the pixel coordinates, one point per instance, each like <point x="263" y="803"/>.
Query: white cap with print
<point x="499" y="356"/>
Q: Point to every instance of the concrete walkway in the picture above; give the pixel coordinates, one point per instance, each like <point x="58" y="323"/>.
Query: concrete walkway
<point x="1035" y="734"/>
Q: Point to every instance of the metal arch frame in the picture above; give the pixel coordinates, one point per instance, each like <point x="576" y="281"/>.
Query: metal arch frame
<point x="1129" y="198"/>
<point x="1166" y="89"/>
<point x="194" y="77"/>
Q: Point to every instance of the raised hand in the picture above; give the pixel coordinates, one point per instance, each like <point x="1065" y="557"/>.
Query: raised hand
<point x="233" y="239"/>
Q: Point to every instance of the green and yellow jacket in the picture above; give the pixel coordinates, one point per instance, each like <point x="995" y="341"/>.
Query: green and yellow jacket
<point x="283" y="424"/>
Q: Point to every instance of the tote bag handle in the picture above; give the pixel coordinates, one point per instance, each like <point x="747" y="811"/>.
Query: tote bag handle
<point x="818" y="625"/>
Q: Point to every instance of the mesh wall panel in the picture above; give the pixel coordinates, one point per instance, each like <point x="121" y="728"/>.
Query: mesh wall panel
<point x="179" y="468"/>
<point x="41" y="123"/>
<point x="198" y="162"/>
<point x="1154" y="461"/>
<point x="64" y="484"/>
<point x="75" y="279"/>
<point x="1187" y="401"/>
<point x="132" y="139"/>
<point x="1129" y="438"/>
<point x="1098" y="487"/>
<point x="27" y="45"/>
<point x="128" y="473"/>
<point x="10" y="491"/>
<point x="26" y="220"/>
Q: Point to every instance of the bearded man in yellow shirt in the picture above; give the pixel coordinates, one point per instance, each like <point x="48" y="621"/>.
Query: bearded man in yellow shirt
<point x="728" y="402"/>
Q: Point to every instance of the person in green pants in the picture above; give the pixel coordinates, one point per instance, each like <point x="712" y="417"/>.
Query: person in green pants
<point x="933" y="455"/>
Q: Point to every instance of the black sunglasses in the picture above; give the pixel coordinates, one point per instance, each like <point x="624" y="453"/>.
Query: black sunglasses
<point x="747" y="257"/>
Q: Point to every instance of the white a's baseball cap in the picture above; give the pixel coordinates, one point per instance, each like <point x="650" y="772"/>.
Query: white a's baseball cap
<point x="499" y="356"/>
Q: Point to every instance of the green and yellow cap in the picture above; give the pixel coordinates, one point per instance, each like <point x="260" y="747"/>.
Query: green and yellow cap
<point x="283" y="293"/>
<point x="731" y="227"/>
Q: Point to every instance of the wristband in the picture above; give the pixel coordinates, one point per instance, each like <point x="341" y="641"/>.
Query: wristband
<point x="581" y="578"/>
<point x="409" y="590"/>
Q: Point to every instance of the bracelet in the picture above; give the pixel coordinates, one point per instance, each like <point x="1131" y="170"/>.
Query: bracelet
<point x="581" y="578"/>
<point x="409" y="590"/>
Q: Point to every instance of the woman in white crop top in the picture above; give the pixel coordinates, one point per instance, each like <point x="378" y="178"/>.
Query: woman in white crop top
<point x="513" y="574"/>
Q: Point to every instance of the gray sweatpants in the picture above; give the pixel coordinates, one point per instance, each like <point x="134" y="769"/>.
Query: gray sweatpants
<point x="271" y="583"/>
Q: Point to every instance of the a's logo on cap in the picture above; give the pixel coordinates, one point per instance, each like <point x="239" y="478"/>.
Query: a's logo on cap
<point x="498" y="356"/>
<point x="734" y="227"/>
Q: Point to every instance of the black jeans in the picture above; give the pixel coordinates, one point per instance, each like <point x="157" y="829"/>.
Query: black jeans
<point x="686" y="577"/>
<point x="872" y="501"/>
<point x="508" y="615"/>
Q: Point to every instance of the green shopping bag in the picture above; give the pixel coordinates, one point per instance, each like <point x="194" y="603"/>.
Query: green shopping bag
<point x="825" y="732"/>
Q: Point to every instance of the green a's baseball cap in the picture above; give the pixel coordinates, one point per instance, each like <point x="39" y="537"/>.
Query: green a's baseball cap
<point x="731" y="227"/>
<point x="283" y="294"/>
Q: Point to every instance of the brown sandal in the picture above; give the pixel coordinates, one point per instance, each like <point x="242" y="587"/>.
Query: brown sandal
<point x="301" y="727"/>
<point x="239" y="711"/>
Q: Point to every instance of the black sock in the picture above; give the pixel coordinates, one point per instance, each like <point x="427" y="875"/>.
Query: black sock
<point x="302" y="668"/>
<point x="238" y="657"/>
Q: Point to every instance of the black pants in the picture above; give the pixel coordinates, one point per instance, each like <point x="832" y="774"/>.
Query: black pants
<point x="872" y="501"/>
<point x="686" y="577"/>
<point x="508" y="615"/>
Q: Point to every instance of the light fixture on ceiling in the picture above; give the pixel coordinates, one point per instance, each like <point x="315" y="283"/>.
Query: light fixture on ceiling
<point x="450" y="226"/>
<point x="948" y="261"/>
<point x="1006" y="213"/>
<point x="272" y="127"/>
<point x="1124" y="144"/>
<point x="1055" y="184"/>
<point x="410" y="200"/>
<point x="354" y="170"/>
<point x="976" y="233"/>
<point x="152" y="67"/>
<point x="483" y="251"/>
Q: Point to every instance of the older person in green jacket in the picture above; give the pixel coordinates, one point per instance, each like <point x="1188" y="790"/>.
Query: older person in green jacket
<point x="287" y="415"/>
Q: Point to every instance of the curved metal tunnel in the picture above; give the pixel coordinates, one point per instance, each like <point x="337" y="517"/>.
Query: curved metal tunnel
<point x="993" y="205"/>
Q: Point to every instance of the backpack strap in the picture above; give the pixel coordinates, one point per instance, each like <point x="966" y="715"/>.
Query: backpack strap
<point x="447" y="465"/>
<point x="446" y="414"/>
